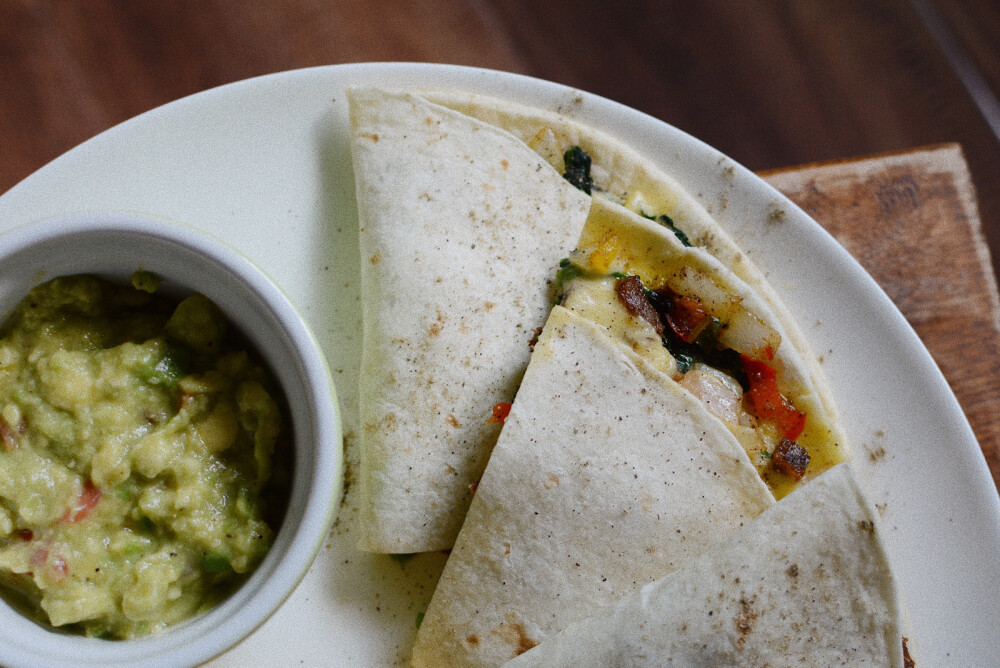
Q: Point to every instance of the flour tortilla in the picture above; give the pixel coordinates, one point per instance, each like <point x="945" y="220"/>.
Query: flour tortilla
<point x="460" y="226"/>
<point x="806" y="583"/>
<point x="607" y="475"/>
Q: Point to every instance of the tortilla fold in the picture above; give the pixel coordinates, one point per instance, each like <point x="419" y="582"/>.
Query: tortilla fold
<point x="607" y="475"/>
<point x="460" y="226"/>
<point x="806" y="583"/>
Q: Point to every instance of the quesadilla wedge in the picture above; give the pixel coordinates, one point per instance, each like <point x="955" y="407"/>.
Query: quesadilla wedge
<point x="609" y="169"/>
<point x="606" y="476"/>
<point x="460" y="224"/>
<point x="806" y="583"/>
<point x="703" y="326"/>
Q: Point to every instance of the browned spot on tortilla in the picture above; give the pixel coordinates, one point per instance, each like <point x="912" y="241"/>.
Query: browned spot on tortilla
<point x="376" y="258"/>
<point x="552" y="481"/>
<point x="505" y="163"/>
<point x="450" y="470"/>
<point x="793" y="571"/>
<point x="489" y="306"/>
<point x="389" y="422"/>
<point x="525" y="642"/>
<point x="372" y="136"/>
<point x="436" y="327"/>
<point x="745" y="621"/>
<point x="472" y="640"/>
<point x="453" y="421"/>
<point x="429" y="120"/>
<point x="489" y="187"/>
<point x="513" y="633"/>
<point x="647" y="502"/>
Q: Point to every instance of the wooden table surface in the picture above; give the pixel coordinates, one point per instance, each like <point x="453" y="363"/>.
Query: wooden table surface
<point x="772" y="84"/>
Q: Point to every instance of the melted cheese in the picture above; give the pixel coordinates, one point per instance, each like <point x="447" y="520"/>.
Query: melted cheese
<point x="595" y="299"/>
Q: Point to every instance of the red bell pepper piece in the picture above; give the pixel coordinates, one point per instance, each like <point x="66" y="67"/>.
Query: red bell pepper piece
<point x="500" y="412"/>
<point x="767" y="402"/>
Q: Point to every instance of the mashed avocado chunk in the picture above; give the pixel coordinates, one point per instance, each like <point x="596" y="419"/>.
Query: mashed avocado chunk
<point x="140" y="457"/>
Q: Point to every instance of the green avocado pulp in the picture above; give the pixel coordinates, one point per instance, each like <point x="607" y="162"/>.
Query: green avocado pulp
<point x="143" y="457"/>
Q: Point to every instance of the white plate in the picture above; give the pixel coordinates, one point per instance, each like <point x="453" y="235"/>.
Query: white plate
<point x="264" y="164"/>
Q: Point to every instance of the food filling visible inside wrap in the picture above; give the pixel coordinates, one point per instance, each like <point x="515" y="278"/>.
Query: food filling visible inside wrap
<point x="694" y="326"/>
<point x="581" y="171"/>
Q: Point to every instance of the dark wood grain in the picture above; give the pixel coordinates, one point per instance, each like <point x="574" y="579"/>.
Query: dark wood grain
<point x="770" y="83"/>
<point x="69" y="70"/>
<point x="976" y="26"/>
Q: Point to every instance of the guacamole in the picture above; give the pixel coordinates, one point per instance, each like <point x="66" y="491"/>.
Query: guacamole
<point x="140" y="444"/>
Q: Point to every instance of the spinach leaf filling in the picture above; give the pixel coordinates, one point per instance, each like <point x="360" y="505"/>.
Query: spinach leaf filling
<point x="578" y="169"/>
<point x="706" y="348"/>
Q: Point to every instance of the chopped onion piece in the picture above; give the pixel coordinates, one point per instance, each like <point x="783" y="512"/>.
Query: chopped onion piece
<point x="690" y="282"/>
<point x="719" y="392"/>
<point x="747" y="334"/>
<point x="741" y="330"/>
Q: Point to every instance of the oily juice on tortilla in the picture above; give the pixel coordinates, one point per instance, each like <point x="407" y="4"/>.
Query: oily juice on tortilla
<point x="141" y="460"/>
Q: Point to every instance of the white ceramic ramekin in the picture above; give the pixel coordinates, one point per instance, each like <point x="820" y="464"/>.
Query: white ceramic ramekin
<point x="116" y="245"/>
